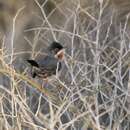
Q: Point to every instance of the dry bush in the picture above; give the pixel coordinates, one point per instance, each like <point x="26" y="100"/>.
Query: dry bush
<point x="91" y="92"/>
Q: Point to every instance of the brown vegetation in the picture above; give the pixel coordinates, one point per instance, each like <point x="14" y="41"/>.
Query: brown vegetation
<point x="93" y="89"/>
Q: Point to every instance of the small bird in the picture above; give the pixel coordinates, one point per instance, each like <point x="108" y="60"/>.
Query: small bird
<point x="50" y="64"/>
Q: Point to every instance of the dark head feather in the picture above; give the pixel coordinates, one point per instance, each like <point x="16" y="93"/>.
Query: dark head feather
<point x="55" y="47"/>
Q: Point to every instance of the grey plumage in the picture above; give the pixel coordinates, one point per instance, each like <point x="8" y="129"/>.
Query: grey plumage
<point x="45" y="67"/>
<point x="49" y="65"/>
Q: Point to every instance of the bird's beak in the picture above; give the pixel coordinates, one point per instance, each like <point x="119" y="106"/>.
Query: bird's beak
<point x="60" y="54"/>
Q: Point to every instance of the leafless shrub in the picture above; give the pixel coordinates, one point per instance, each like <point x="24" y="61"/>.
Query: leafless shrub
<point x="91" y="92"/>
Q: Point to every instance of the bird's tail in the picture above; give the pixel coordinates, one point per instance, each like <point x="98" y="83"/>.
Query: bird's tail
<point x="33" y="63"/>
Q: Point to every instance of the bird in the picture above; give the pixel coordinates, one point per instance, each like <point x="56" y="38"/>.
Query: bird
<point x="50" y="64"/>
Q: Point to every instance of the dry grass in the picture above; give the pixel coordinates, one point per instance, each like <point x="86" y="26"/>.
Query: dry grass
<point x="93" y="89"/>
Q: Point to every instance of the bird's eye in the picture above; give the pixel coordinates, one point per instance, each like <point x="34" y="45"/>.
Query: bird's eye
<point x="56" y="50"/>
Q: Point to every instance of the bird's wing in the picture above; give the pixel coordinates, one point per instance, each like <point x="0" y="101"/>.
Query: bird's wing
<point x="50" y="64"/>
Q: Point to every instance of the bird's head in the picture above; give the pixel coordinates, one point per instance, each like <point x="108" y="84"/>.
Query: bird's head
<point x="57" y="50"/>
